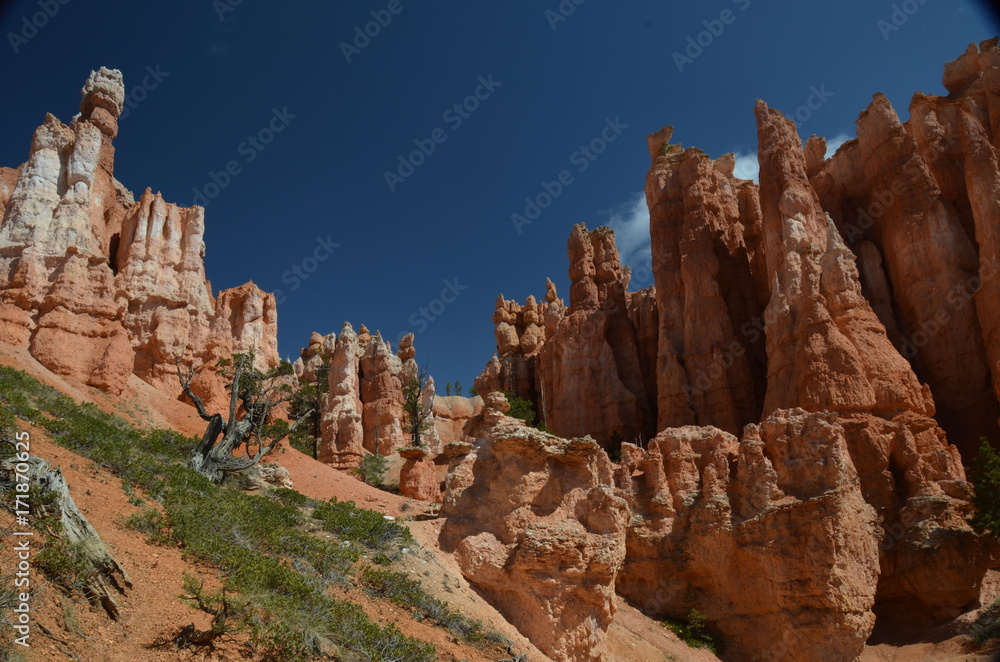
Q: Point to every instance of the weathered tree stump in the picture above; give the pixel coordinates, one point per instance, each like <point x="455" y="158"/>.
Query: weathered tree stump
<point x="105" y="571"/>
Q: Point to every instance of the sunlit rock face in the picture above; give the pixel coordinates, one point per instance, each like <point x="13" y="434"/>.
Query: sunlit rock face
<point x="916" y="201"/>
<point x="769" y="536"/>
<point x="362" y="412"/>
<point x="100" y="286"/>
<point x="595" y="351"/>
<point x="534" y="523"/>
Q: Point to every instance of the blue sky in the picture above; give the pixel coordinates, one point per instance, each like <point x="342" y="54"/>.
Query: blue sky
<point x="309" y="118"/>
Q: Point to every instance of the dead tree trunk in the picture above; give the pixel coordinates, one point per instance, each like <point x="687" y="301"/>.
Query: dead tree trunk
<point x="214" y="457"/>
<point x="105" y="571"/>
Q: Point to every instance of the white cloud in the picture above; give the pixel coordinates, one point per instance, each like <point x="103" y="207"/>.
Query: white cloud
<point x="746" y="166"/>
<point x="630" y="221"/>
<point x="832" y="144"/>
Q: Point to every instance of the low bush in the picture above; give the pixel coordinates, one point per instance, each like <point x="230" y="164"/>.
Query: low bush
<point x="365" y="527"/>
<point x="986" y="479"/>
<point x="987" y="625"/>
<point x="64" y="563"/>
<point x="290" y="497"/>
<point x="150" y="522"/>
<point x="410" y="594"/>
<point x="694" y="632"/>
<point x="372" y="470"/>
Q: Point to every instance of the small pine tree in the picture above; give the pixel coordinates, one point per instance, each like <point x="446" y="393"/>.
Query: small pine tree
<point x="520" y="408"/>
<point x="986" y="479"/>
<point x="458" y="387"/>
<point x="415" y="414"/>
<point x="447" y="388"/>
<point x="309" y="397"/>
<point x="372" y="469"/>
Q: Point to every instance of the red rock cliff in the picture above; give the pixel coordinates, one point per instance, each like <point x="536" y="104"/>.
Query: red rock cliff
<point x="99" y="286"/>
<point x="843" y="318"/>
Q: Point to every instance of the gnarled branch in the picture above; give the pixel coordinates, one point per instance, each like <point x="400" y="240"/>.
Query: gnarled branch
<point x="185" y="377"/>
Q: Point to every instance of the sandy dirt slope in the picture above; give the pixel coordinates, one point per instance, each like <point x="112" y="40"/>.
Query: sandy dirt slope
<point x="66" y="628"/>
<point x="140" y="403"/>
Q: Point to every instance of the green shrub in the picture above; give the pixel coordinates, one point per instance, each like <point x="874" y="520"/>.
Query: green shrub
<point x="987" y="625"/>
<point x="7" y="425"/>
<point x="525" y="410"/>
<point x="290" y="497"/>
<point x="149" y="522"/>
<point x="372" y="469"/>
<point x="520" y="408"/>
<point x="381" y="558"/>
<point x="986" y="479"/>
<point x="366" y="527"/>
<point x="303" y="441"/>
<point x="694" y="631"/>
<point x="410" y="594"/>
<point x="396" y="587"/>
<point x="64" y="563"/>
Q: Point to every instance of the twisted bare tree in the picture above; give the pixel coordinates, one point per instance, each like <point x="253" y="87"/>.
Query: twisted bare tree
<point x="232" y="444"/>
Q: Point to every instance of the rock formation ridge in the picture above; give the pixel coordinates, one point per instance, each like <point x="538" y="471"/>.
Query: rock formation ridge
<point x="840" y="317"/>
<point x="362" y="412"/>
<point x="99" y="286"/>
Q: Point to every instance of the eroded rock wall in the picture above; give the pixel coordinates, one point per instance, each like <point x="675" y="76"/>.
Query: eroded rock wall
<point x="841" y="318"/>
<point x="535" y="524"/>
<point x="595" y="351"/>
<point x="362" y="412"/>
<point x="916" y="201"/>
<point x="768" y="536"/>
<point x="704" y="231"/>
<point x="99" y="286"/>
